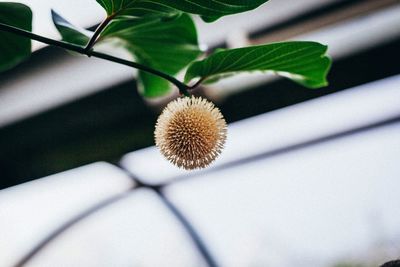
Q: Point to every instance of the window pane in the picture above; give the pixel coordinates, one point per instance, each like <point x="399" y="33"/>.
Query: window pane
<point x="31" y="211"/>
<point x="357" y="107"/>
<point x="311" y="207"/>
<point x="136" y="231"/>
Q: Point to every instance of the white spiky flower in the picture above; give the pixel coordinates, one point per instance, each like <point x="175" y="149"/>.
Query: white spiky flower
<point x="190" y="132"/>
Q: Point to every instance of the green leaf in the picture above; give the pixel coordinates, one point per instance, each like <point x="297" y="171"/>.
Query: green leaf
<point x="152" y="86"/>
<point x="136" y="8"/>
<point x="165" y="45"/>
<point x="13" y="48"/>
<point x="209" y="10"/>
<point x="303" y="62"/>
<point x="70" y="33"/>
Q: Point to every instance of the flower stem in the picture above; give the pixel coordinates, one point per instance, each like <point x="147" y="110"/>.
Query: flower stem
<point x="183" y="88"/>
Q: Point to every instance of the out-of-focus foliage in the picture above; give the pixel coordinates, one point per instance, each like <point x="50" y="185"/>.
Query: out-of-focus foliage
<point x="13" y="48"/>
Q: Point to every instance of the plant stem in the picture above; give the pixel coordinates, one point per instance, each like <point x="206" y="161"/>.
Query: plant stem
<point x="98" y="31"/>
<point x="183" y="88"/>
<point x="200" y="81"/>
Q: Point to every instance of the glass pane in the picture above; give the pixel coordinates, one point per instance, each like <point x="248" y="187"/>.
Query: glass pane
<point x="357" y="107"/>
<point x="136" y="231"/>
<point x="317" y="206"/>
<point x="29" y="212"/>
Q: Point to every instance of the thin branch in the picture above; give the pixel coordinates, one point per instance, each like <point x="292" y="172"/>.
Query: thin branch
<point x="42" y="39"/>
<point x="183" y="88"/>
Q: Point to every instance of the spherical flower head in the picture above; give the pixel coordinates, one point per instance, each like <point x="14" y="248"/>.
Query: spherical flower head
<point x="190" y="132"/>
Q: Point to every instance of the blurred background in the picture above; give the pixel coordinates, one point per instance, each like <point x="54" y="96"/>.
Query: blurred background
<point x="307" y="178"/>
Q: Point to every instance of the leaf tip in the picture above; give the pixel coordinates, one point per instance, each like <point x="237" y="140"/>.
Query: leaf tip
<point x="54" y="15"/>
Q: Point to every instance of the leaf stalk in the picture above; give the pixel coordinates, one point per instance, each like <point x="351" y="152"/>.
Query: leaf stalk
<point x="98" y="31"/>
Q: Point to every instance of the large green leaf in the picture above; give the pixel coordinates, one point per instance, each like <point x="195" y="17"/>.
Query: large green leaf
<point x="70" y="33"/>
<point x="136" y="8"/>
<point x="210" y="10"/>
<point x="303" y="62"/>
<point x="152" y="86"/>
<point x="13" y="48"/>
<point x="165" y="45"/>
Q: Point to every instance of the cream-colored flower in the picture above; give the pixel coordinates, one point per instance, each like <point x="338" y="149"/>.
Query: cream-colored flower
<point x="190" y="132"/>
